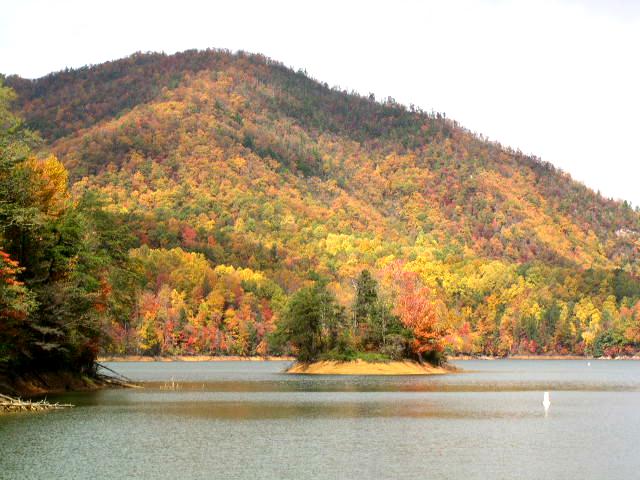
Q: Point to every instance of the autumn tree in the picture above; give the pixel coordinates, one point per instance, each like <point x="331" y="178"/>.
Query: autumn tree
<point x="421" y="312"/>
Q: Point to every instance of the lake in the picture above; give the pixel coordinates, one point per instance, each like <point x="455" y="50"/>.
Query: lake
<point x="248" y="420"/>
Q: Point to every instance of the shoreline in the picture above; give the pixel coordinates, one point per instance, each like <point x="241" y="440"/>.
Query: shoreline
<point x="52" y="383"/>
<point x="192" y="358"/>
<point x="361" y="367"/>
<point x="274" y="358"/>
<point x="540" y="357"/>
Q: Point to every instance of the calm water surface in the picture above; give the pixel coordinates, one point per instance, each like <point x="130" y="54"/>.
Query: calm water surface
<point x="244" y="420"/>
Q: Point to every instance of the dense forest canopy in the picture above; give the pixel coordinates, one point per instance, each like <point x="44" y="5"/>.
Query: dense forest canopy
<point x="230" y="191"/>
<point x="65" y="270"/>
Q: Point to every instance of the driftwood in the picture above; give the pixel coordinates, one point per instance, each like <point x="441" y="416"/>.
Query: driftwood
<point x="10" y="404"/>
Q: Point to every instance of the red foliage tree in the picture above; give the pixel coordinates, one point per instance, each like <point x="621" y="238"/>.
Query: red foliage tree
<point x="421" y="312"/>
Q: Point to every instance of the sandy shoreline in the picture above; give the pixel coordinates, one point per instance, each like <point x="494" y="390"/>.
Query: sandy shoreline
<point x="360" y="367"/>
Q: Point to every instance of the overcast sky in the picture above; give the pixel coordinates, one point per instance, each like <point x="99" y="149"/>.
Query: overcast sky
<point x="558" y="79"/>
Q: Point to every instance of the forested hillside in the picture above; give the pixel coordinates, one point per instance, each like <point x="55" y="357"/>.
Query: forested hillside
<point x="65" y="268"/>
<point x="245" y="182"/>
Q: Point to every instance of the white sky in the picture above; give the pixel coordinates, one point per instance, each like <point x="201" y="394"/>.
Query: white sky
<point x="559" y="79"/>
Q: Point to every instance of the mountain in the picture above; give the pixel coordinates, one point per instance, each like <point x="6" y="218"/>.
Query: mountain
<point x="241" y="177"/>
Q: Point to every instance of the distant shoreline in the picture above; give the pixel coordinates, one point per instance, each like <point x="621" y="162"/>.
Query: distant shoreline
<point x="191" y="358"/>
<point x="541" y="357"/>
<point x="273" y="358"/>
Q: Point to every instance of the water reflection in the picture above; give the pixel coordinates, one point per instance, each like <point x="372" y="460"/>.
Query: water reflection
<point x="475" y="376"/>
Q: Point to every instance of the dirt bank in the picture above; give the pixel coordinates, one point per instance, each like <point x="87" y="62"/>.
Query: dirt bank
<point x="49" y="382"/>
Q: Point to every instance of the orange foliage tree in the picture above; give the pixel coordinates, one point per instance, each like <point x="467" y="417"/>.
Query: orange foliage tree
<point x="422" y="313"/>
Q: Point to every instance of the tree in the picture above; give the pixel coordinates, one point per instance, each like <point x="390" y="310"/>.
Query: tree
<point x="366" y="302"/>
<point x="366" y="318"/>
<point x="16" y="303"/>
<point x="311" y="323"/>
<point x="372" y="316"/>
<point x="423" y="314"/>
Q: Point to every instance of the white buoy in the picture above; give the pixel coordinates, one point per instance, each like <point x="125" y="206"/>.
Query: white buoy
<point x="588" y="364"/>
<point x="546" y="402"/>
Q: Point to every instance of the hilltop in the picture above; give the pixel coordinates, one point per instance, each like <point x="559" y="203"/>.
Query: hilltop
<point x="241" y="177"/>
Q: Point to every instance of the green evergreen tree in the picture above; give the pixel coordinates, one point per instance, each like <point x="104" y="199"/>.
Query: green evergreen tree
<point x="312" y="322"/>
<point x="372" y="317"/>
<point x="366" y="301"/>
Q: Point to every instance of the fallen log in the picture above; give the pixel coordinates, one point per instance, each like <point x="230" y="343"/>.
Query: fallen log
<point x="117" y="382"/>
<point x="115" y="379"/>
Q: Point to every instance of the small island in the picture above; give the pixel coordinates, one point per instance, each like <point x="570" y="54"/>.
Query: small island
<point x="379" y="335"/>
<point x="363" y="367"/>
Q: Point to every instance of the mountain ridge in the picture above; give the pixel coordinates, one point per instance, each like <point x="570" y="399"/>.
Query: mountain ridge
<point x="253" y="165"/>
